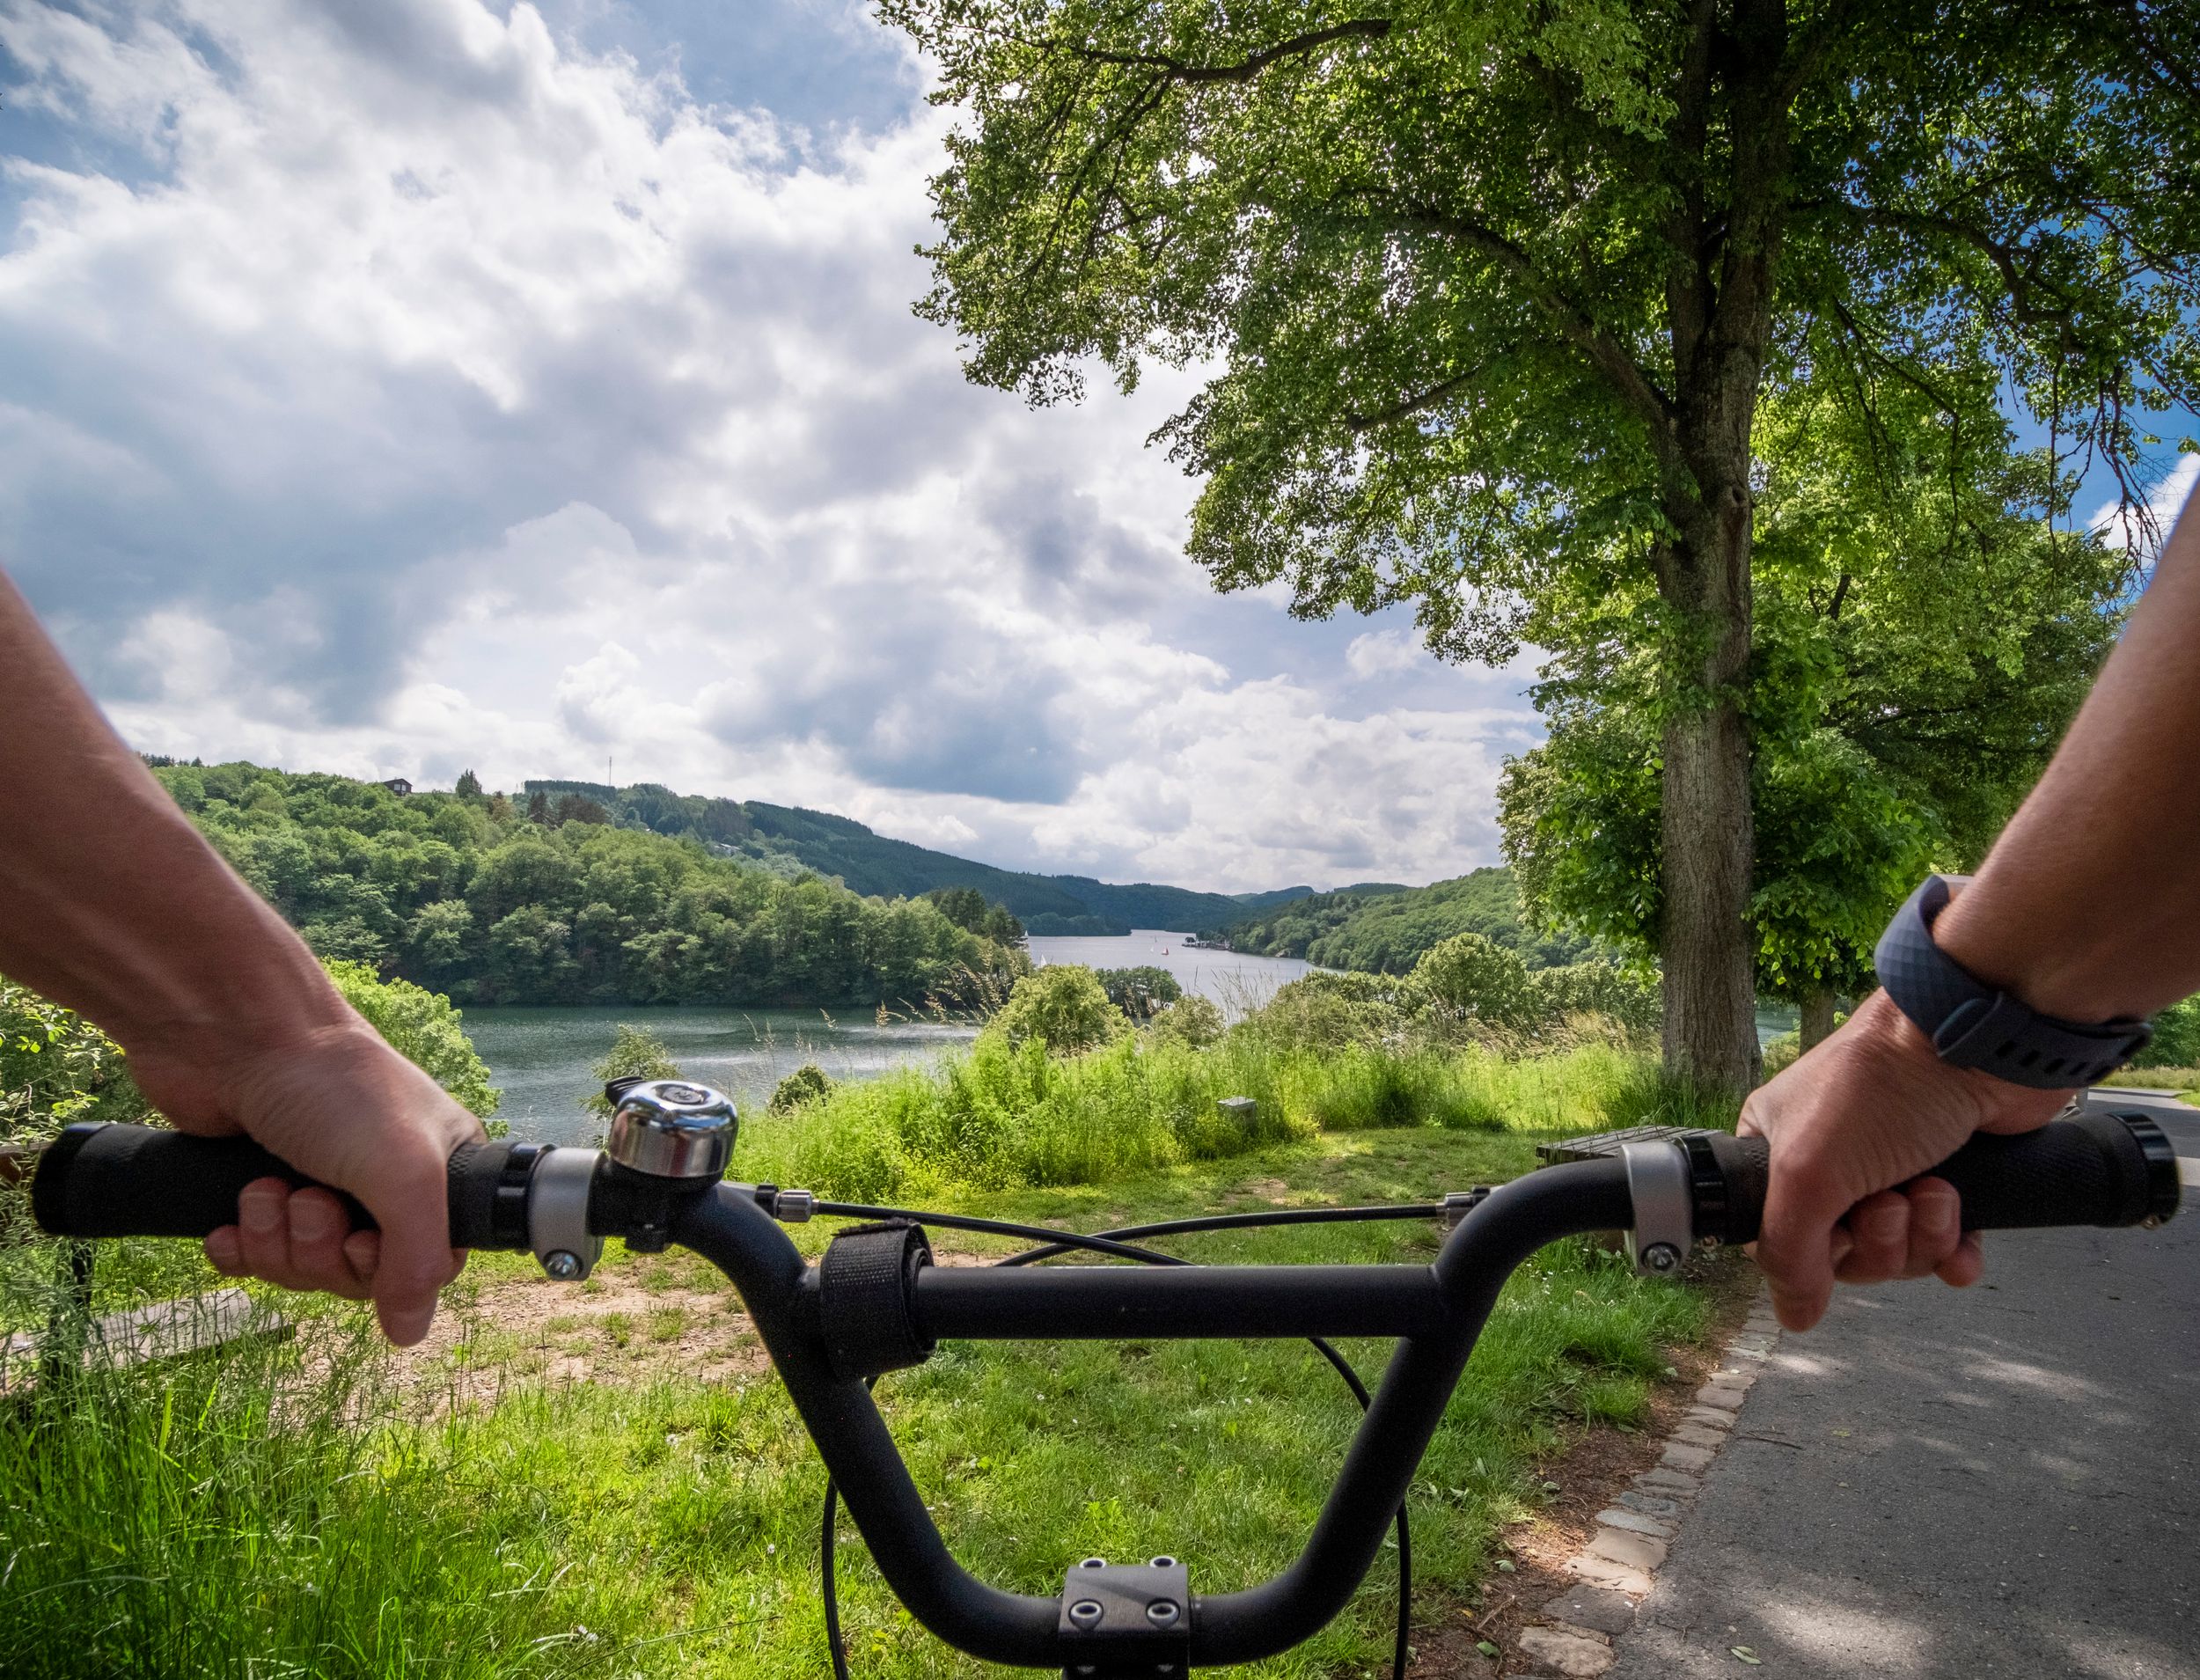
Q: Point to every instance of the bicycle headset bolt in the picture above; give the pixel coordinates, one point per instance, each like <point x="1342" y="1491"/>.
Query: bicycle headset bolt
<point x="1662" y="1256"/>
<point x="1085" y="1612"/>
<point x="561" y="1264"/>
<point x="1161" y="1611"/>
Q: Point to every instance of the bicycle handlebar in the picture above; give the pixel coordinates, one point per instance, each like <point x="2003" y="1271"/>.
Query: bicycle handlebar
<point x="828" y="1327"/>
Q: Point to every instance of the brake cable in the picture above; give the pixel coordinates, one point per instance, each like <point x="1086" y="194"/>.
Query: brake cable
<point x="1051" y="1242"/>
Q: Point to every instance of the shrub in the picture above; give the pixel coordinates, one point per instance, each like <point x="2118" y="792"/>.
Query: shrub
<point x="636" y="1053"/>
<point x="1474" y="979"/>
<point x="1064" y="1009"/>
<point x="1193" y="1021"/>
<point x="422" y="1026"/>
<point x="2176" y="1040"/>
<point x="1329" y="1012"/>
<point x="1596" y="989"/>
<point x="55" y="1066"/>
<point x="1138" y="991"/>
<point x="808" y="1083"/>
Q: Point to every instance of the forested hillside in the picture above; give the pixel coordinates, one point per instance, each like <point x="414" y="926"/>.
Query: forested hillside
<point x="544" y="901"/>
<point x="871" y="864"/>
<point x="1383" y="930"/>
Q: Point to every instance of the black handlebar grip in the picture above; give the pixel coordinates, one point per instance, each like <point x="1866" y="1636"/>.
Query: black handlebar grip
<point x="139" y="1181"/>
<point x="2096" y="1168"/>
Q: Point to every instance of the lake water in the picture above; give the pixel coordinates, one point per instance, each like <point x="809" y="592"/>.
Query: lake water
<point x="541" y="1058"/>
<point x="1234" y="979"/>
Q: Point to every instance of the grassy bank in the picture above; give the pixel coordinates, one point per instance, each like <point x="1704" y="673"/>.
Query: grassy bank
<point x="305" y="1511"/>
<point x="996" y="1116"/>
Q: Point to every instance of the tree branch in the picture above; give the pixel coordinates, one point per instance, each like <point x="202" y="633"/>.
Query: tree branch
<point x="1245" y="69"/>
<point x="1414" y="404"/>
<point x="1605" y="352"/>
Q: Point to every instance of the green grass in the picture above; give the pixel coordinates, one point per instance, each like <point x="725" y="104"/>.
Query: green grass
<point x="285" y="1513"/>
<point x="996" y="1117"/>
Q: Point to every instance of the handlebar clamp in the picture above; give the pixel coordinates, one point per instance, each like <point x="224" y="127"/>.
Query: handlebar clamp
<point x="1126" y="1621"/>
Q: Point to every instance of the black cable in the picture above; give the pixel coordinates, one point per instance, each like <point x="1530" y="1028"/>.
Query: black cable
<point x="1053" y="1242"/>
<point x="1061" y="1245"/>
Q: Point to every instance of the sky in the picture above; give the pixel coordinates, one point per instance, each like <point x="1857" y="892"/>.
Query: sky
<point x="430" y="384"/>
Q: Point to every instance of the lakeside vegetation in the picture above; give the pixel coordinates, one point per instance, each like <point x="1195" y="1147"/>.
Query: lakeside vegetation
<point x="1386" y="930"/>
<point x="492" y="900"/>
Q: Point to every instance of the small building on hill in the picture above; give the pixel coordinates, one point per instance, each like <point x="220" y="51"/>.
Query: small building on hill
<point x="398" y="785"/>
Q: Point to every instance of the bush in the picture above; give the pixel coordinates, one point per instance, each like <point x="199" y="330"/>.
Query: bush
<point x="1138" y="991"/>
<point x="2176" y="1040"/>
<point x="1473" y="979"/>
<point x="1331" y="1011"/>
<point x="636" y="1053"/>
<point x="1596" y="989"/>
<point x="421" y="1026"/>
<point x="1193" y="1021"/>
<point x="55" y="1066"/>
<point x="808" y="1083"/>
<point x="1064" y="1009"/>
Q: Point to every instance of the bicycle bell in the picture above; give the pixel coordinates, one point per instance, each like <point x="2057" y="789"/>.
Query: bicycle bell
<point x="670" y="1128"/>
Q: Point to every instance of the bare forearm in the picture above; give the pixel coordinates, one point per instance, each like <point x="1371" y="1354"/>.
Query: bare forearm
<point x="110" y="901"/>
<point x="2088" y="906"/>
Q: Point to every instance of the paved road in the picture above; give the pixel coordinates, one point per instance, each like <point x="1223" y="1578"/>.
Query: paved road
<point x="1943" y="1483"/>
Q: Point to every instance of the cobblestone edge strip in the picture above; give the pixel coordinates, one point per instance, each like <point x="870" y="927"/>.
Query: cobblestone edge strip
<point x="1573" y="1633"/>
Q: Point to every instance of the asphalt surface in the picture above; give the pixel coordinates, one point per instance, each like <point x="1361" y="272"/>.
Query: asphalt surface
<point x="2002" y="1481"/>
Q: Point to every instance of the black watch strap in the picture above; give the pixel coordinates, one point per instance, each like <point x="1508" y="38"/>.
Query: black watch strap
<point x="1971" y="1024"/>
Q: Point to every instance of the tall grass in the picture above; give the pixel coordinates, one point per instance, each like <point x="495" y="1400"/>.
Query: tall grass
<point x="997" y="1116"/>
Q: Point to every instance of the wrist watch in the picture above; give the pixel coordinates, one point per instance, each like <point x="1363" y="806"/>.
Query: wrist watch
<point x="1972" y="1024"/>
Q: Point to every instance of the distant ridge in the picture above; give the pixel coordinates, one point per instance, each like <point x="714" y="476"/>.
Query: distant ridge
<point x="877" y="866"/>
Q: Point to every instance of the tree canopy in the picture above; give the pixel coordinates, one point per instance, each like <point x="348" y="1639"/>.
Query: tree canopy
<point x="1384" y="930"/>
<point x="473" y="898"/>
<point x="1491" y="295"/>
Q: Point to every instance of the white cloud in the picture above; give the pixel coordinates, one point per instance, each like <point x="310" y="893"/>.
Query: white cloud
<point x="426" y="394"/>
<point x="2121" y="527"/>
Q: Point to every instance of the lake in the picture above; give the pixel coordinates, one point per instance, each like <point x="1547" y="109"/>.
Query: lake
<point x="1231" y="978"/>
<point x="540" y="1058"/>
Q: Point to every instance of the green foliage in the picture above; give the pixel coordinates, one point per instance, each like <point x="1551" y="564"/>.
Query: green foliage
<point x="967" y="909"/>
<point x="471" y="899"/>
<point x="2176" y="1040"/>
<point x="1920" y="649"/>
<point x="422" y="1027"/>
<point x="1138" y="991"/>
<point x="1192" y="1020"/>
<point x="57" y="1068"/>
<point x="636" y="1053"/>
<point x="1624" y="995"/>
<point x="1476" y="980"/>
<point x="468" y="785"/>
<point x="1063" y="1009"/>
<point x="808" y="1083"/>
<point x="1385" y="929"/>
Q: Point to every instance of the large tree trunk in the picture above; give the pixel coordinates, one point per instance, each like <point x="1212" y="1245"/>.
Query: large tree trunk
<point x="1720" y="315"/>
<point x="1817" y="1018"/>
<point x="1710" y="971"/>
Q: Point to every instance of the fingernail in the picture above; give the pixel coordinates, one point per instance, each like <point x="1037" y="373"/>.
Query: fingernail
<point x="259" y="1212"/>
<point x="310" y="1220"/>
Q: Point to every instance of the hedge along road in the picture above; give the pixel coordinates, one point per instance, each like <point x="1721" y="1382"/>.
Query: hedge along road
<point x="1940" y="1482"/>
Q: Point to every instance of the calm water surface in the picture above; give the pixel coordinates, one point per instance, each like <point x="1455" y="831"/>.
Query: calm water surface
<point x="541" y="1058"/>
<point x="1231" y="978"/>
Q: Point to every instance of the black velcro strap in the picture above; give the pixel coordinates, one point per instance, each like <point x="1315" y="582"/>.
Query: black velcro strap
<point x="866" y="1289"/>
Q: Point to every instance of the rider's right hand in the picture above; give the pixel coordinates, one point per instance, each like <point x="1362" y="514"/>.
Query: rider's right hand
<point x="1861" y="1114"/>
<point x="339" y="1105"/>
